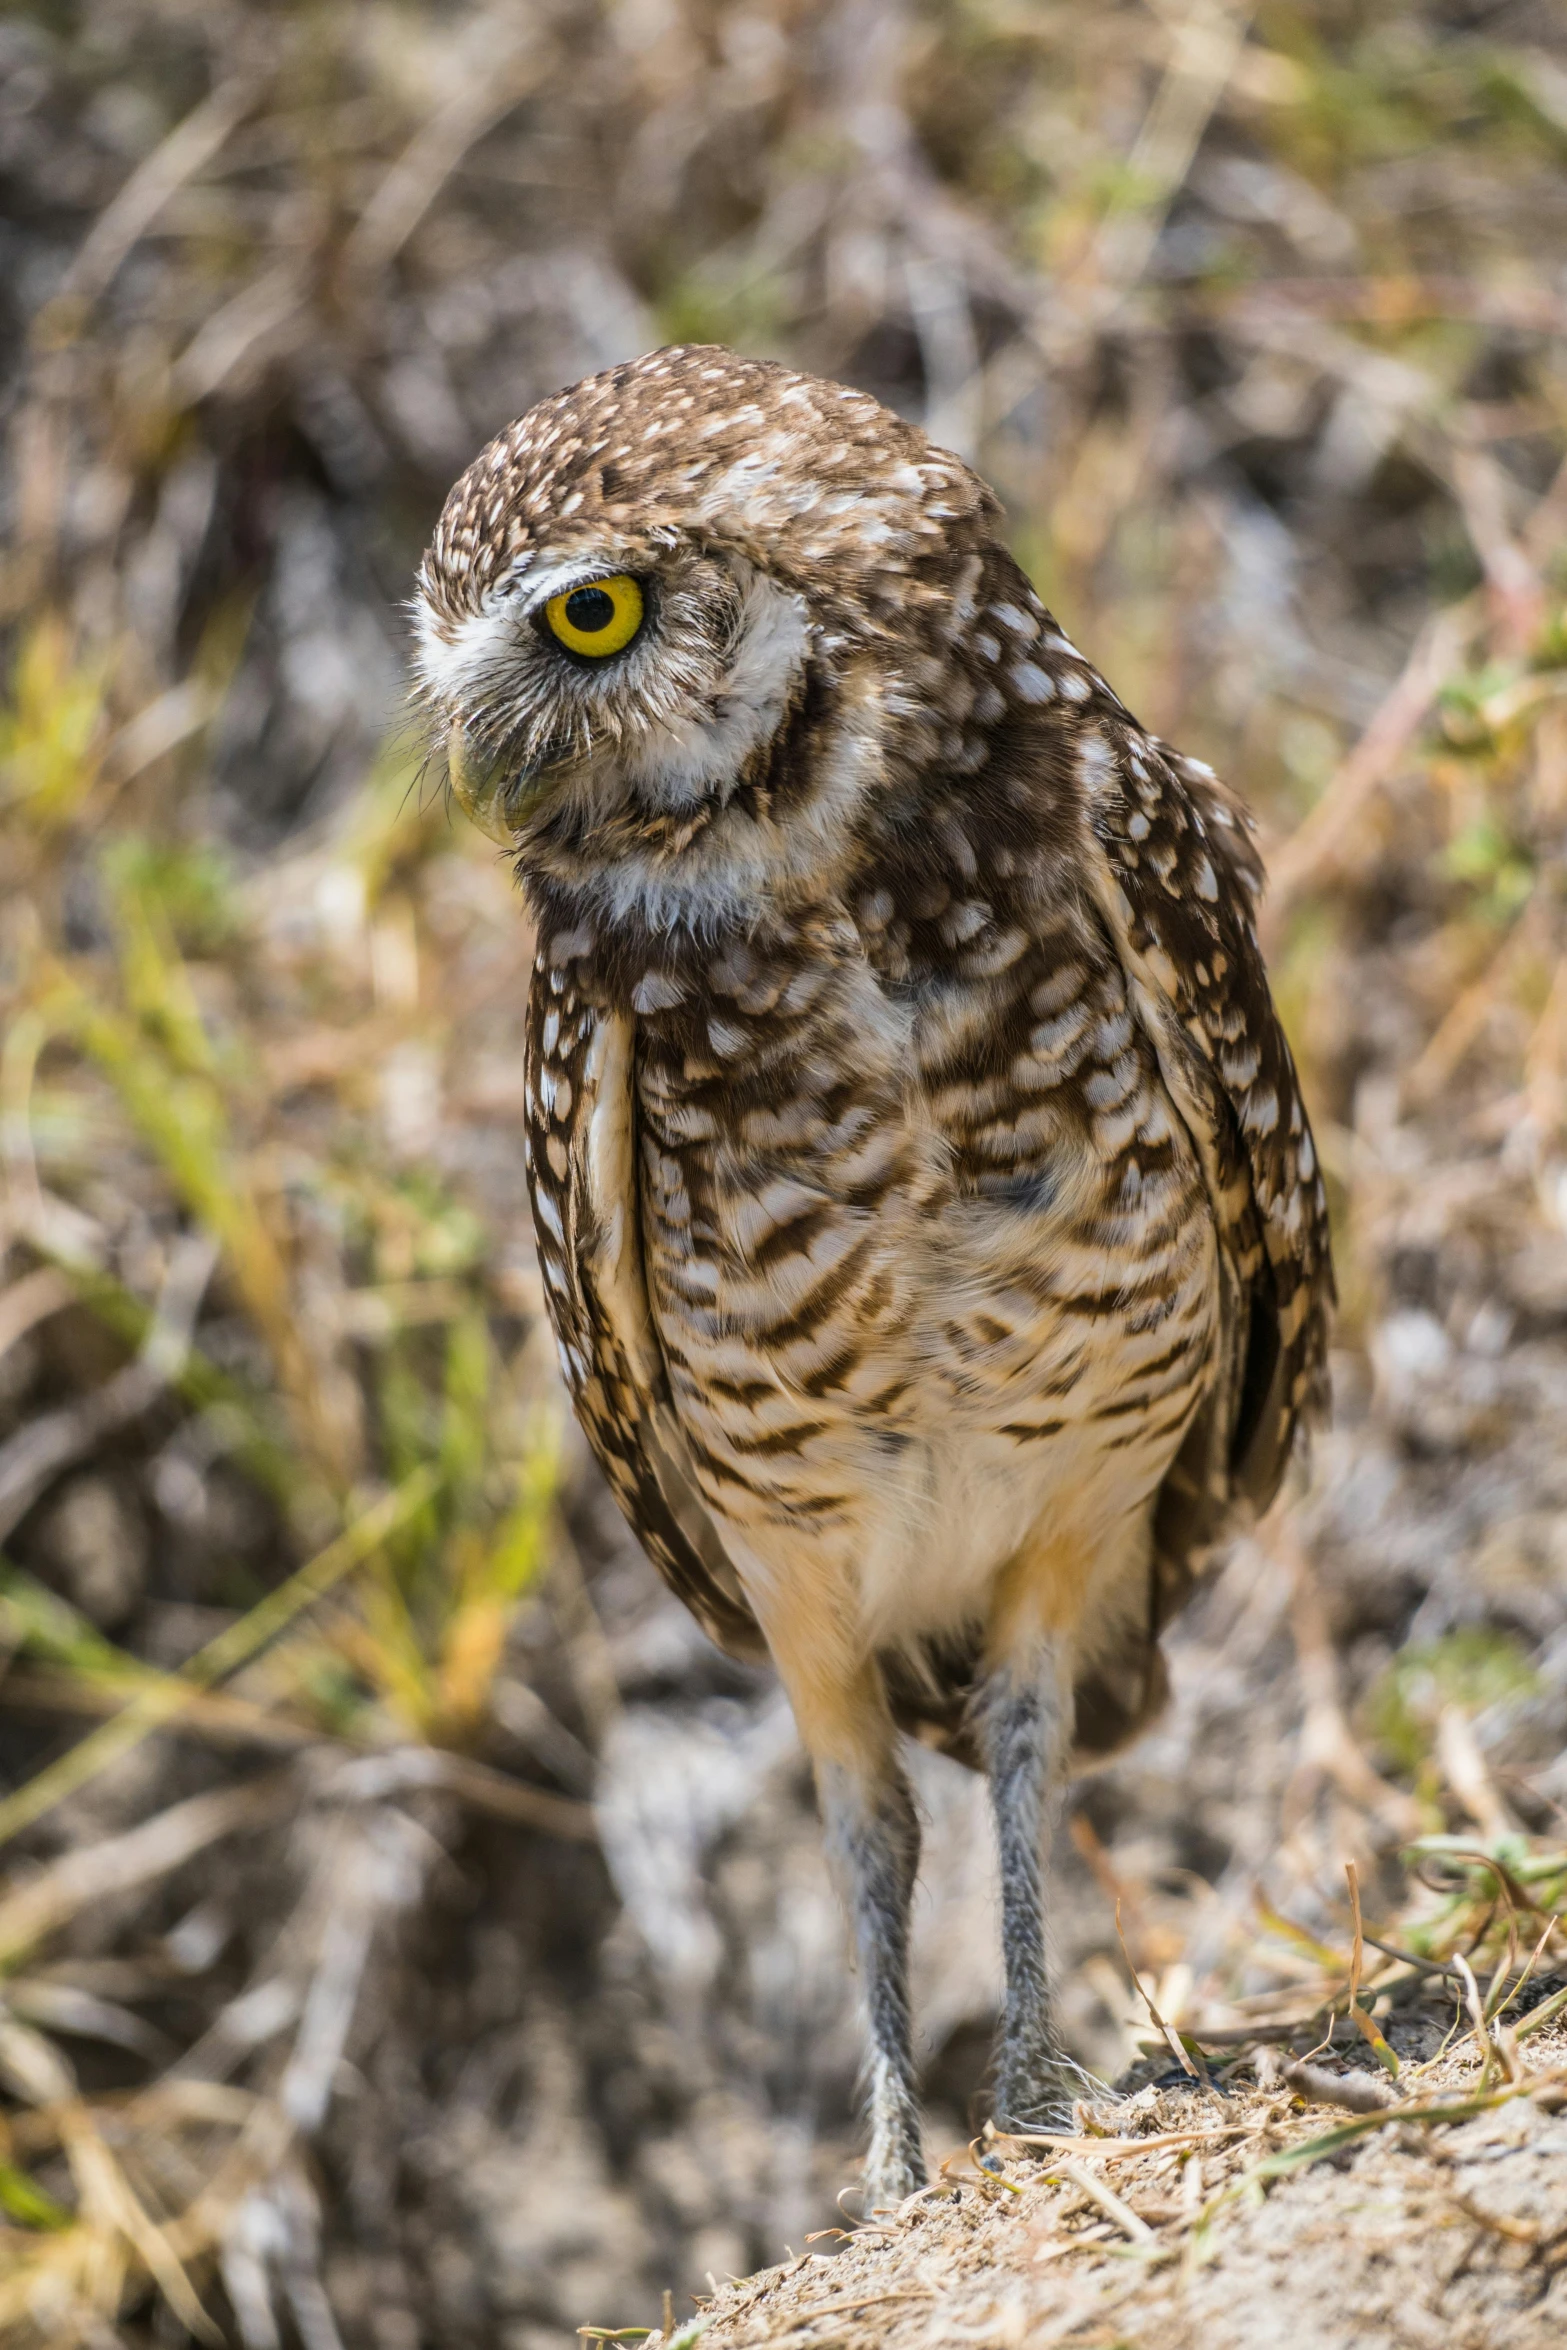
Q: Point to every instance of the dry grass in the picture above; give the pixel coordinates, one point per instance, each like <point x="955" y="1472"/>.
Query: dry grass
<point x="331" y="2008"/>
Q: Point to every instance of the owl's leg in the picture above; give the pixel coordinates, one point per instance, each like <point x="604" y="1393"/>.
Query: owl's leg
<point x="1025" y="1726"/>
<point x="873" y="1839"/>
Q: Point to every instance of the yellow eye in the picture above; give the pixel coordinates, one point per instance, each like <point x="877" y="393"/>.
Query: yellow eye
<point x="596" y="620"/>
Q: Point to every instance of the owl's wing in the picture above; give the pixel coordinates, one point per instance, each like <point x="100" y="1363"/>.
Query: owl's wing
<point x="581" y="1144"/>
<point x="1177" y="880"/>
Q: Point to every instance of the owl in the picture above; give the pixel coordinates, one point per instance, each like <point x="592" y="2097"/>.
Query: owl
<point x="927" y="1210"/>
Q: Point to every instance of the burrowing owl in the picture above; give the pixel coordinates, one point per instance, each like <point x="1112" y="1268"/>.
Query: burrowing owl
<point x="927" y="1210"/>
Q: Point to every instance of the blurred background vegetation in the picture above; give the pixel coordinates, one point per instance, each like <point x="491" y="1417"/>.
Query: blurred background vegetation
<point x="408" y="1929"/>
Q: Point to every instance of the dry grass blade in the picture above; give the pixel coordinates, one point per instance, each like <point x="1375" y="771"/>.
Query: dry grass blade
<point x="259" y="325"/>
<point x="1105" y="2199"/>
<point x="1507" y="1988"/>
<point x="1327" y="1744"/>
<point x="1115" y="2149"/>
<point x="30" y="1301"/>
<point x="1484" y="2043"/>
<point x="505" y="68"/>
<point x="1189" y="2064"/>
<point x="1540" y="2018"/>
<point x="188" y="148"/>
<point x="231" y="1721"/>
<point x="99" y="1872"/>
<point x="163" y="1701"/>
<point x="506" y="1799"/>
<point x="1421" y="1966"/>
<point x="1459" y="1753"/>
<point x="1207" y="39"/>
<point x="847" y="2301"/>
<point x="109" y="2206"/>
<point x="40" y="1450"/>
<point x="1309" y="853"/>
<point x="1369" y="2031"/>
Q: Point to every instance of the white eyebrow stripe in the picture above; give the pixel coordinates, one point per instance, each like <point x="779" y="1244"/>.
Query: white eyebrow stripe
<point x="567" y="571"/>
<point x="462" y="659"/>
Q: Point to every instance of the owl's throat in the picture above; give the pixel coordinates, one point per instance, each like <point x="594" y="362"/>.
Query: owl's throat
<point x="763" y="831"/>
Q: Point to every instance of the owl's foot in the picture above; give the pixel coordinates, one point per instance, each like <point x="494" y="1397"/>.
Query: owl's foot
<point x="1038" y="2096"/>
<point x="894" y="2169"/>
<point x="1025" y="1723"/>
<point x="873" y="1836"/>
<point x="895" y="2165"/>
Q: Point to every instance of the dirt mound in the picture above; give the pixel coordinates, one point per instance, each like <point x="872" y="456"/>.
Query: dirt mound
<point x="1253" y="2219"/>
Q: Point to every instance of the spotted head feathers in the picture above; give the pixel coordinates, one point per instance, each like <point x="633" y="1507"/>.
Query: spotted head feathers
<point x="826" y="607"/>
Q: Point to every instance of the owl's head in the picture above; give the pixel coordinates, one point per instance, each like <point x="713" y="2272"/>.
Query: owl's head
<point x="680" y="622"/>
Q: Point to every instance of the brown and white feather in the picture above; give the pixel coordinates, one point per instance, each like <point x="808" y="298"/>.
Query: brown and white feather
<point x="927" y="1207"/>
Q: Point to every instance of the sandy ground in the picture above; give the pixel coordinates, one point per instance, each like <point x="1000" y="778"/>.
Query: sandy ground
<point x="1209" y="2223"/>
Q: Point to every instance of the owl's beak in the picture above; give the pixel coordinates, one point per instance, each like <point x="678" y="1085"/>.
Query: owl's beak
<point x="480" y="786"/>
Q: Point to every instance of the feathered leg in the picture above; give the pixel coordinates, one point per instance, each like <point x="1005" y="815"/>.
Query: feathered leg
<point x="873" y="1838"/>
<point x="1025" y="1726"/>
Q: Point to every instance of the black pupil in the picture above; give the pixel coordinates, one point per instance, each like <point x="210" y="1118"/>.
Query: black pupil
<point x="589" y="610"/>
